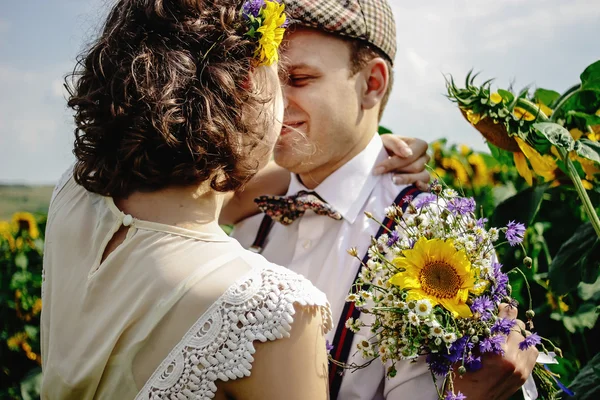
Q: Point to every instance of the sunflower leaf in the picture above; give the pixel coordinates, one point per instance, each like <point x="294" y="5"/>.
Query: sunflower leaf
<point x="578" y="257"/>
<point x="545" y="96"/>
<point x="585" y="118"/>
<point x="522" y="207"/>
<point x="507" y="96"/>
<point x="588" y="149"/>
<point x="590" y="78"/>
<point x="555" y="134"/>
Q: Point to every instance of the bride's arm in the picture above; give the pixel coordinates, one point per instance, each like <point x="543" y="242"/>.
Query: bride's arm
<point x="293" y="368"/>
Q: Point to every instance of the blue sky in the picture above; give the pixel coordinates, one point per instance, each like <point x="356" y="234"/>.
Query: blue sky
<point x="544" y="43"/>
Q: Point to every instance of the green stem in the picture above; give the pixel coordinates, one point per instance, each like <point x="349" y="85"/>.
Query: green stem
<point x="565" y="94"/>
<point x="568" y="94"/>
<point x="585" y="199"/>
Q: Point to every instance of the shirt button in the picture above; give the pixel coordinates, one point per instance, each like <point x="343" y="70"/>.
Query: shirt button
<point x="307" y="243"/>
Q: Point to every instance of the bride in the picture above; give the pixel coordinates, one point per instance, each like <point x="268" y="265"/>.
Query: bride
<point x="144" y="296"/>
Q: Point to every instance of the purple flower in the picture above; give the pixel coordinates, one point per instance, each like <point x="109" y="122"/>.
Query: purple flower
<point x="483" y="305"/>
<point x="438" y="365"/>
<point x="252" y="7"/>
<point x="424" y="200"/>
<point x="529" y="341"/>
<point x="503" y="326"/>
<point x="500" y="280"/>
<point x="481" y="222"/>
<point x="472" y="363"/>
<point x="514" y="232"/>
<point x="493" y="344"/>
<point x="461" y="205"/>
<point x="328" y="346"/>
<point x="452" y="396"/>
<point x="456" y="350"/>
<point x="394" y="237"/>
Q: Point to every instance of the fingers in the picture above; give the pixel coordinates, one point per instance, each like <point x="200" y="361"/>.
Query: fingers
<point x="420" y="180"/>
<point x="396" y="146"/>
<point x="396" y="164"/>
<point x="507" y="311"/>
<point x="418" y="146"/>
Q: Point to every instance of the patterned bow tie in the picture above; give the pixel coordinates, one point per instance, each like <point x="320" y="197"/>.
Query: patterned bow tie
<point x="286" y="209"/>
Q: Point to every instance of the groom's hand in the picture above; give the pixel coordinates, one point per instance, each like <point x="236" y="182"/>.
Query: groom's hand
<point x="408" y="157"/>
<point x="500" y="376"/>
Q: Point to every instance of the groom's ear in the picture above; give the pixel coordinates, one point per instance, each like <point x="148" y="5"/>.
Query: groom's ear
<point x="375" y="80"/>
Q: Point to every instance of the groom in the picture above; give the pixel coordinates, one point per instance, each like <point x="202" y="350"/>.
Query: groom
<point x="339" y="58"/>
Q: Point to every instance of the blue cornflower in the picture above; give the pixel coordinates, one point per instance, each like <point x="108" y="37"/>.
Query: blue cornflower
<point x="461" y="205"/>
<point x="424" y="200"/>
<point x="473" y="363"/>
<point x="514" y="232"/>
<point x="529" y="341"/>
<point x="252" y="7"/>
<point x="493" y="344"/>
<point x="438" y="365"/>
<point x="503" y="326"/>
<point x="483" y="305"/>
<point x="328" y="346"/>
<point x="499" y="282"/>
<point x="452" y="396"/>
<point x="393" y="238"/>
<point x="481" y="222"/>
<point x="456" y="350"/>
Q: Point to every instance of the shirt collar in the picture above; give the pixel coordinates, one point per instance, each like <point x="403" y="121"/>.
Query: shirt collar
<point x="349" y="187"/>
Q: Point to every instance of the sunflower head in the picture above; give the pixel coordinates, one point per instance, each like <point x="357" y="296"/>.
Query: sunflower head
<point x="25" y="222"/>
<point x="435" y="270"/>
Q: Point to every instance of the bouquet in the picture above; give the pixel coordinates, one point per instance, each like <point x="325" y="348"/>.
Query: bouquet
<point x="432" y="287"/>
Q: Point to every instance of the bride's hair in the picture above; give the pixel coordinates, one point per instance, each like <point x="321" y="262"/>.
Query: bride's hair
<point x="162" y="97"/>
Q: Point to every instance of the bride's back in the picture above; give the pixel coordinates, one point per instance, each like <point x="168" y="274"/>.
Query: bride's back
<point x="144" y="296"/>
<point x="165" y="295"/>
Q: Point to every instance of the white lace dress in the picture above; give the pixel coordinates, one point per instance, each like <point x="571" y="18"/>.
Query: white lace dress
<point x="165" y="316"/>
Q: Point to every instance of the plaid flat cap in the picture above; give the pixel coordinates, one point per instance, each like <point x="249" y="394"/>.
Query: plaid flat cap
<point x="368" y="20"/>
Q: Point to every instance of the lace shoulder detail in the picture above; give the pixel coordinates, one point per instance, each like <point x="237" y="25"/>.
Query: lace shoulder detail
<point x="219" y="346"/>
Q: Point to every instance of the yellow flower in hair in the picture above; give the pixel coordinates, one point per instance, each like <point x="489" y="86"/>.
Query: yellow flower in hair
<point x="271" y="33"/>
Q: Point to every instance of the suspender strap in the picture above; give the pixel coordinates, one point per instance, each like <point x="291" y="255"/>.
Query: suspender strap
<point x="343" y="336"/>
<point x="262" y="235"/>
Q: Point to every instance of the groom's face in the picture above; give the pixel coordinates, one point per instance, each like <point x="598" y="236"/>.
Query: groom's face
<point x="322" y="102"/>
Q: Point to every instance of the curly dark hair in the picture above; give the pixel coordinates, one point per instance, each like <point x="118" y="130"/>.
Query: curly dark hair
<point x="162" y="97"/>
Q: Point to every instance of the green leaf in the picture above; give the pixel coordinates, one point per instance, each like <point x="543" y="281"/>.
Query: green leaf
<point x="585" y="118"/>
<point x="521" y="207"/>
<point x="586" y="384"/>
<point x="507" y="96"/>
<point x="585" y="317"/>
<point x="590" y="78"/>
<point x="21" y="261"/>
<point x="576" y="254"/>
<point x="555" y="134"/>
<point x="587" y="149"/>
<point x="589" y="291"/>
<point x="32" y="331"/>
<point x="382" y="130"/>
<point x="586" y="101"/>
<point x="545" y="96"/>
<point x="31" y="385"/>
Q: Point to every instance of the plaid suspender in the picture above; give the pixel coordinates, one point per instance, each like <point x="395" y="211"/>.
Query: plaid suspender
<point x="343" y="336"/>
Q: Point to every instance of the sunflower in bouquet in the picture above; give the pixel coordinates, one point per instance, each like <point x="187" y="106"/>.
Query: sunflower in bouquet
<point x="432" y="286"/>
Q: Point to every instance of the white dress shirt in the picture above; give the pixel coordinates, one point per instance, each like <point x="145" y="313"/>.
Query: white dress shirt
<point x="316" y="247"/>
